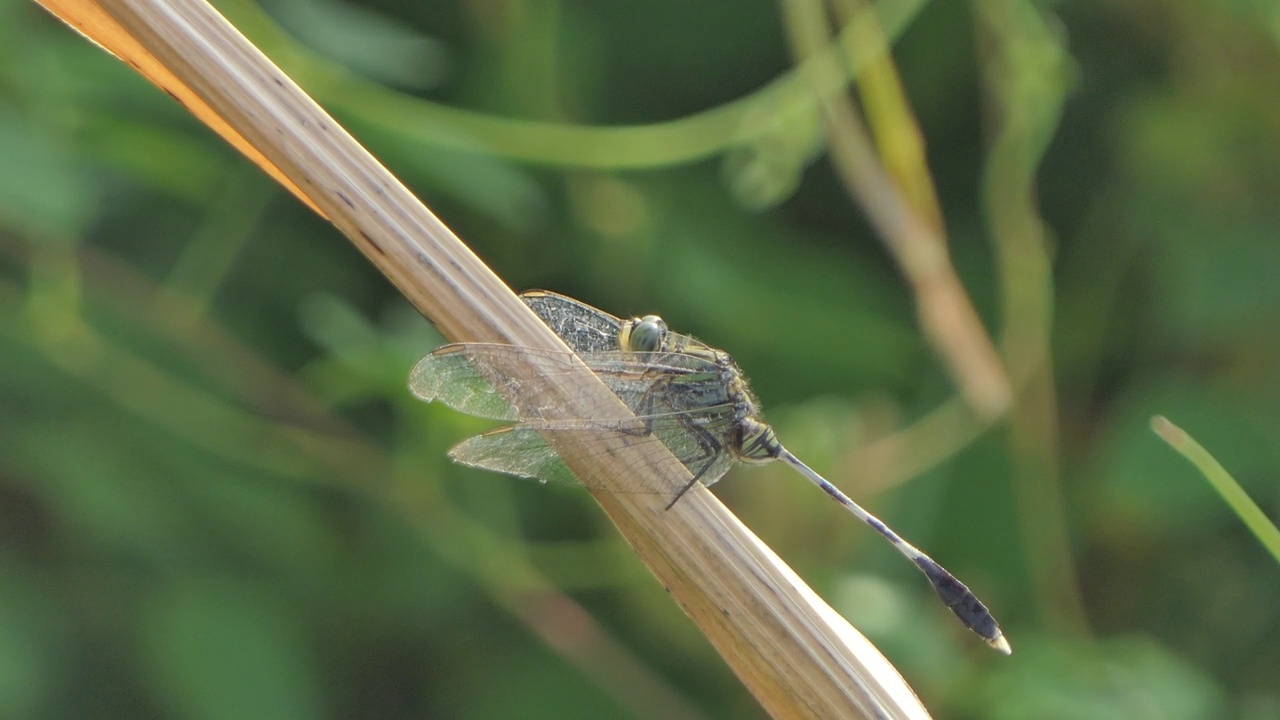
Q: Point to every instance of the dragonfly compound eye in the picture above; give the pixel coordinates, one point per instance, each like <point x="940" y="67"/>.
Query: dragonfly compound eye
<point x="647" y="334"/>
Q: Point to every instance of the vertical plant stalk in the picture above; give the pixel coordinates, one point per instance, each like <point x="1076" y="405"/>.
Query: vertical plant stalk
<point x="796" y="655"/>
<point x="898" y="138"/>
<point x="912" y="236"/>
<point x="1027" y="72"/>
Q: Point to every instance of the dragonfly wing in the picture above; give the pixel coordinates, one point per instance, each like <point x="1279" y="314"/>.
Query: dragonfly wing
<point x="518" y="451"/>
<point x="588" y="329"/>
<point x="503" y="382"/>
<point x="451" y="378"/>
<point x="656" y="382"/>
<point x="521" y="451"/>
<point x="699" y="440"/>
<point x="582" y="327"/>
<point x="679" y="400"/>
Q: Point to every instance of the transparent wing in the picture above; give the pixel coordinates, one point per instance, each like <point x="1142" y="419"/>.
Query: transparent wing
<point x="679" y="400"/>
<point x="479" y="379"/>
<point x="587" y="329"/>
<point x="521" y="451"/>
<point x="450" y="378"/>
<point x="515" y="451"/>
<point x="582" y="327"/>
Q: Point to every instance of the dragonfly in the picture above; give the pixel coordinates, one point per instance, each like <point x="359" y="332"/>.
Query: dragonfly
<point x="685" y="394"/>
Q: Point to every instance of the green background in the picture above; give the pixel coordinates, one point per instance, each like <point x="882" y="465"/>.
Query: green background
<point x="218" y="499"/>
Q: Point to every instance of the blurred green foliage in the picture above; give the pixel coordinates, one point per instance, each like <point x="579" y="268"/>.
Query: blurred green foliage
<point x="217" y="499"/>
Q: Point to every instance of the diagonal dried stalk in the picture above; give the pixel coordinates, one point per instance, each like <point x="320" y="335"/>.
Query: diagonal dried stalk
<point x="793" y="652"/>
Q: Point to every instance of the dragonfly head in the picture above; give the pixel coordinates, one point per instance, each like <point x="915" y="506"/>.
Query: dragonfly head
<point x="757" y="442"/>
<point x="646" y="334"/>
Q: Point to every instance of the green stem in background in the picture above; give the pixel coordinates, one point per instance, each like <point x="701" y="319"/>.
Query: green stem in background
<point x="912" y="236"/>
<point x="673" y="142"/>
<point x="1027" y="71"/>
<point x="1245" y="508"/>
<point x="230" y="221"/>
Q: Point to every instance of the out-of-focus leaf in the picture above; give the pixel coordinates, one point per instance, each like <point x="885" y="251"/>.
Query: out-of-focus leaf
<point x="472" y="176"/>
<point x="221" y="649"/>
<point x="42" y="192"/>
<point x="371" y="44"/>
<point x="29" y="647"/>
<point x="177" y="162"/>
<point x="768" y="163"/>
<point x="1116" y="679"/>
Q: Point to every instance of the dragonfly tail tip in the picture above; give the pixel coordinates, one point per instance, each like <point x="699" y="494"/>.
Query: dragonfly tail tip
<point x="999" y="642"/>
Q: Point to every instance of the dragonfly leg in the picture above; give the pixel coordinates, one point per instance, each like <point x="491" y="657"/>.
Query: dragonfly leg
<point x="683" y="490"/>
<point x="643" y="410"/>
<point x="707" y="442"/>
